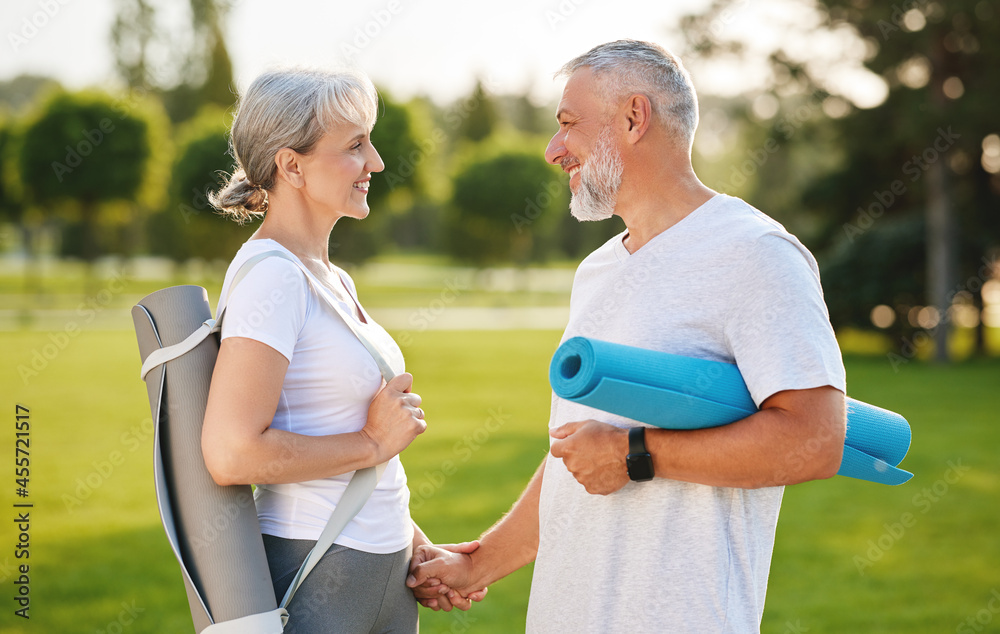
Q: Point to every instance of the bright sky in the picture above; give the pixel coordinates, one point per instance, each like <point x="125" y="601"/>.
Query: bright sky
<point x="435" y="47"/>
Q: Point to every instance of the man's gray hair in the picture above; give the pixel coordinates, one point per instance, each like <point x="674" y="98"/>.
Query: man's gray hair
<point x="626" y="67"/>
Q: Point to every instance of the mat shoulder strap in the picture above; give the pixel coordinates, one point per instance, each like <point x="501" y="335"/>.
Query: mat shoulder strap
<point x="364" y="481"/>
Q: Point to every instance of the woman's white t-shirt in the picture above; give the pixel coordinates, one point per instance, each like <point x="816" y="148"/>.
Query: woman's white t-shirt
<point x="328" y="387"/>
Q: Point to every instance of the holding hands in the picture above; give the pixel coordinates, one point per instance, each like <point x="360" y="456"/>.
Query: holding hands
<point x="441" y="576"/>
<point x="437" y="572"/>
<point x="445" y="576"/>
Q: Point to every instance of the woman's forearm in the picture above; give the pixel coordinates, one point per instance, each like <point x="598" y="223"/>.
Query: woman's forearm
<point x="277" y="457"/>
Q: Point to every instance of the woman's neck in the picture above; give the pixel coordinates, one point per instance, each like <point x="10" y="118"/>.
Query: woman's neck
<point x="299" y="231"/>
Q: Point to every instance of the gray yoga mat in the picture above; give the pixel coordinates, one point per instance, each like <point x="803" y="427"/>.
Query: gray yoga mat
<point x="213" y="530"/>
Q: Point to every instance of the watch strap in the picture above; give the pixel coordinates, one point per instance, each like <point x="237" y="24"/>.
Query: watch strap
<point x="637" y="440"/>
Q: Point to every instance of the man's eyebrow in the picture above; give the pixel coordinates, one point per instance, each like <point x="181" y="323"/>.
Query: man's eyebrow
<point x="563" y="112"/>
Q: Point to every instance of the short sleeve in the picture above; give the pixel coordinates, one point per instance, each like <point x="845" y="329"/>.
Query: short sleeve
<point x="269" y="306"/>
<point x="778" y="326"/>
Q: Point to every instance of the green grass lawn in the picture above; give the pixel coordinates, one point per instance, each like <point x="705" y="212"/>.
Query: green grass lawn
<point x="851" y="556"/>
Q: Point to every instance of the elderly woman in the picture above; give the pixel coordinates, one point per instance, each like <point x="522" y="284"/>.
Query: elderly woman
<point x="297" y="403"/>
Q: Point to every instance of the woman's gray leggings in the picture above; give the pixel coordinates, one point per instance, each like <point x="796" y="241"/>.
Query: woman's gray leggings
<point x="349" y="591"/>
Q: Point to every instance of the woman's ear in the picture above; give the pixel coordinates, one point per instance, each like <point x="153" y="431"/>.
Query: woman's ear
<point x="289" y="167"/>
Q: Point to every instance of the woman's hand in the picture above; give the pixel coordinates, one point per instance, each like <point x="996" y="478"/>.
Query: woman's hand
<point x="394" y="418"/>
<point x="440" y="576"/>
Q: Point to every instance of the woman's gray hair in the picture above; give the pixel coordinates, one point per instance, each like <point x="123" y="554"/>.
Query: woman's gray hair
<point x="287" y="108"/>
<point x="627" y="67"/>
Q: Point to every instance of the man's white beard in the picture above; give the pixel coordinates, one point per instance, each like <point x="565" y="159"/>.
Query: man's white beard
<point x="600" y="180"/>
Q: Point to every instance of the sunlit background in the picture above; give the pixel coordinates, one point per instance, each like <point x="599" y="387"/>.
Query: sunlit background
<point x="811" y="111"/>
<point x="869" y="129"/>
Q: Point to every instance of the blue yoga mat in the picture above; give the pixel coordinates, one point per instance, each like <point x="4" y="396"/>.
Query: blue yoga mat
<point x="677" y="392"/>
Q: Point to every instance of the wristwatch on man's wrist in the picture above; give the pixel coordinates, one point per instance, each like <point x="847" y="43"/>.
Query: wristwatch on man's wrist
<point x="638" y="461"/>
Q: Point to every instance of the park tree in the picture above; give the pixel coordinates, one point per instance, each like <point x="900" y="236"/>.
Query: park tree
<point x="16" y="96"/>
<point x="20" y="92"/>
<point x="10" y="206"/>
<point x="187" y="67"/>
<point x="504" y="203"/>
<point x="921" y="155"/>
<point x="529" y="117"/>
<point x="852" y="291"/>
<point x="89" y="158"/>
<point x="479" y="115"/>
<point x="133" y="34"/>
<point x="188" y="226"/>
<point x="12" y="209"/>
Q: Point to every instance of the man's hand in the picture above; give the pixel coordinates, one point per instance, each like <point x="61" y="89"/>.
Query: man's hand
<point x="594" y="453"/>
<point x="440" y="576"/>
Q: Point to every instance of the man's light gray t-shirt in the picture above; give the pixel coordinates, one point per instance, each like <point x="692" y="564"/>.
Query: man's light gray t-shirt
<point x="726" y="283"/>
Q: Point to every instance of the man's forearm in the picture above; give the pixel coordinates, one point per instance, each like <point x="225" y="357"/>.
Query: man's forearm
<point x="513" y="541"/>
<point x="775" y="446"/>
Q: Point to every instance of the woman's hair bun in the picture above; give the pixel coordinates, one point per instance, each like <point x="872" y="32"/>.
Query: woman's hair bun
<point x="239" y="199"/>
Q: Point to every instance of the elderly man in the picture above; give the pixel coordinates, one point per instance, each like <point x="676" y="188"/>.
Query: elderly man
<point x="638" y="529"/>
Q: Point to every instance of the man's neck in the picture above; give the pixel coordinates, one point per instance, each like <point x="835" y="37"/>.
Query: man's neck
<point x="652" y="210"/>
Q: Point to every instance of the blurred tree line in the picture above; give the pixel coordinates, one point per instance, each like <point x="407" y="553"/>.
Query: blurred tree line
<point x="898" y="197"/>
<point x="129" y="173"/>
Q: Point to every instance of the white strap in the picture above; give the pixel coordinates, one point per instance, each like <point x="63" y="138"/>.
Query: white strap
<point x="364" y="481"/>
<point x="162" y="355"/>
<point x="272" y="622"/>
<point x="324" y="292"/>
<point x="358" y="490"/>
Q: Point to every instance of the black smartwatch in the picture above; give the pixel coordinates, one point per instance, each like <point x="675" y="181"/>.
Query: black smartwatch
<point x="638" y="461"/>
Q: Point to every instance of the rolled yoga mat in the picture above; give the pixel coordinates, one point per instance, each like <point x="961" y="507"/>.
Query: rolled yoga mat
<point x="678" y="392"/>
<point x="213" y="530"/>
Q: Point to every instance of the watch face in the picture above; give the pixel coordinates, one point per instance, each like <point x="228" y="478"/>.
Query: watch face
<point x="640" y="467"/>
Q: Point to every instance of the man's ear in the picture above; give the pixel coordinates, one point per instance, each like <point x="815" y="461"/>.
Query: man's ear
<point x="289" y="167"/>
<point x="639" y="115"/>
